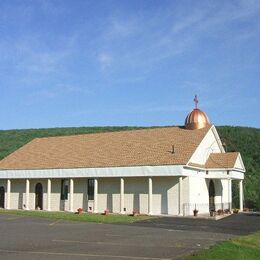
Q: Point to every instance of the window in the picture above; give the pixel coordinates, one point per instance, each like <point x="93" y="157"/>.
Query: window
<point x="64" y="189"/>
<point x="90" y="189"/>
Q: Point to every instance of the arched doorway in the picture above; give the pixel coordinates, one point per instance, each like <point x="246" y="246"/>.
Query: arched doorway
<point x="211" y="196"/>
<point x="2" y="197"/>
<point x="38" y="196"/>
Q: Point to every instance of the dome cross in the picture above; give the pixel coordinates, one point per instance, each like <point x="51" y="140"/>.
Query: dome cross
<point x="196" y="101"/>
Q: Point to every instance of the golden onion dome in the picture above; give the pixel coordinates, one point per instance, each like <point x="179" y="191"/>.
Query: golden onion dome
<point x="196" y="119"/>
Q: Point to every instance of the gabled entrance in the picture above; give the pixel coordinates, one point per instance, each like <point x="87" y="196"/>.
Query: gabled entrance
<point x="38" y="196"/>
<point x="2" y="197"/>
<point x="211" y="196"/>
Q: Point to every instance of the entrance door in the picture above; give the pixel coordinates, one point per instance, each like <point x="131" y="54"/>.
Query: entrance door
<point x="2" y="197"/>
<point x="38" y="196"/>
<point x="211" y="196"/>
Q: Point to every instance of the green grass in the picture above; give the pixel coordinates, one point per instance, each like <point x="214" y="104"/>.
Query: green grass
<point x="243" y="248"/>
<point x="85" y="217"/>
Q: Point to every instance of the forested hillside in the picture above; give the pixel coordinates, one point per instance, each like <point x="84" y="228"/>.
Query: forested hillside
<point x="247" y="142"/>
<point x="243" y="139"/>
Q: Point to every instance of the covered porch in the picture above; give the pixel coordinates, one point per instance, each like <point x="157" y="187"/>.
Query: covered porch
<point x="151" y="195"/>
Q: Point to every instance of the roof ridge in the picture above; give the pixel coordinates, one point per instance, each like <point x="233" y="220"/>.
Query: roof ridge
<point x="114" y="132"/>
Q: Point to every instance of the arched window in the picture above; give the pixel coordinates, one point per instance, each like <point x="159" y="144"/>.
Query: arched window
<point x="38" y="196"/>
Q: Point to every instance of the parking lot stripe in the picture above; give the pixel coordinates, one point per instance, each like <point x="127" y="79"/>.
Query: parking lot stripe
<point x="111" y="235"/>
<point x="55" y="222"/>
<point x="13" y="218"/>
<point x="83" y="255"/>
<point x="112" y="243"/>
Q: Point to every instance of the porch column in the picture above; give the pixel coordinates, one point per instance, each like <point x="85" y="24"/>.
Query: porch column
<point x="241" y="195"/>
<point x="95" y="195"/>
<point x="230" y="194"/>
<point x="122" y="195"/>
<point x="8" y="194"/>
<point x="71" y="194"/>
<point x="27" y="194"/>
<point x="49" y="194"/>
<point x="150" y="197"/>
<point x="180" y="197"/>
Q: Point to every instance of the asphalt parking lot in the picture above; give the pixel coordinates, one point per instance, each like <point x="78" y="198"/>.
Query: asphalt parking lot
<point x="163" y="238"/>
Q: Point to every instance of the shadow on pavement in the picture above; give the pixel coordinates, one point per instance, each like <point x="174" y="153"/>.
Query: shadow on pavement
<point x="237" y="224"/>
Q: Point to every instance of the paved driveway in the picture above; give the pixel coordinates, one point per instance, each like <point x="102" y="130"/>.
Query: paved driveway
<point x="236" y="224"/>
<point x="164" y="238"/>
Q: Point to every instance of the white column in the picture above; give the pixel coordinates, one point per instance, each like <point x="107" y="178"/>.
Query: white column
<point x="150" y="197"/>
<point x="122" y="195"/>
<point x="49" y="194"/>
<point x="180" y="197"/>
<point x="95" y="195"/>
<point x="8" y="194"/>
<point x="230" y="194"/>
<point x="27" y="194"/>
<point x="71" y="194"/>
<point x="241" y="195"/>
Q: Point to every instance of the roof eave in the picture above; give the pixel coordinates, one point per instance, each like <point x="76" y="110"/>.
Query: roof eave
<point x="213" y="169"/>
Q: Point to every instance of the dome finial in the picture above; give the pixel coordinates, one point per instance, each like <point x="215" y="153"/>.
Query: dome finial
<point x="196" y="119"/>
<point x="196" y="101"/>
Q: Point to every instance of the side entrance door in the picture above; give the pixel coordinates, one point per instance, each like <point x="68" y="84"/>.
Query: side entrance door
<point x="211" y="196"/>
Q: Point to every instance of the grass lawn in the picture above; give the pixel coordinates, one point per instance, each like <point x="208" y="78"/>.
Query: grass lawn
<point x="85" y="217"/>
<point x="246" y="247"/>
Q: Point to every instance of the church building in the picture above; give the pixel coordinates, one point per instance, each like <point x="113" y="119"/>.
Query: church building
<point x="155" y="171"/>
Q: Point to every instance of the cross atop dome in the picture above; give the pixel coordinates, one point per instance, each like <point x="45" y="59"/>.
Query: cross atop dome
<point x="196" y="119"/>
<point x="196" y="101"/>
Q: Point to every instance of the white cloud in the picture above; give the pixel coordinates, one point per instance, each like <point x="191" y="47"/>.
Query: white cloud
<point x="105" y="59"/>
<point x="144" y="41"/>
<point x="120" y="27"/>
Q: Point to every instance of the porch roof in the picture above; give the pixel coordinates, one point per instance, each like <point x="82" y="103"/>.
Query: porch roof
<point x="220" y="161"/>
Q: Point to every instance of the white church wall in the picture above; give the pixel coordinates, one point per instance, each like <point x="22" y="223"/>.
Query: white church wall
<point x="198" y="195"/>
<point x="185" y="193"/>
<point x="80" y="196"/>
<point x="208" y="145"/>
<point x="165" y="195"/>
<point x="17" y="197"/>
<point x="136" y="195"/>
<point x="56" y="203"/>
<point x="109" y="194"/>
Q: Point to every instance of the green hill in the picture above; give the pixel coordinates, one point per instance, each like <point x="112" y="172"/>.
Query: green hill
<point x="242" y="139"/>
<point x="247" y="141"/>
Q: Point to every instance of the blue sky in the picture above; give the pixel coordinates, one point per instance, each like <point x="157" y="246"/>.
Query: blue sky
<point x="98" y="63"/>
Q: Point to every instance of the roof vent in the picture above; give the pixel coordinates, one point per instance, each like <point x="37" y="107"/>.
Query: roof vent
<point x="173" y="149"/>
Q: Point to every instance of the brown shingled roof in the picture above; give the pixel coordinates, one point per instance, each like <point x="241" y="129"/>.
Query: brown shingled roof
<point x="218" y="161"/>
<point x="222" y="160"/>
<point x="126" y="148"/>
